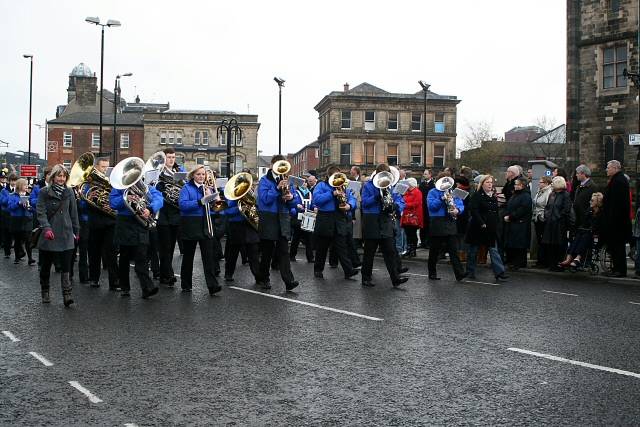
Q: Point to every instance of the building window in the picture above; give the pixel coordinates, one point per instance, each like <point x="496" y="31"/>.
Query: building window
<point x="196" y="138"/>
<point x="345" y="154"/>
<point x="615" y="61"/>
<point x="67" y="164"/>
<point x="67" y="139"/>
<point x="613" y="149"/>
<point x="614" y="5"/>
<point x="392" y="121"/>
<point x="163" y="137"/>
<point x="178" y="137"/>
<point x="95" y="140"/>
<point x="369" y="153"/>
<point x="369" y="120"/>
<point x="239" y="164"/>
<point x="416" y="122"/>
<point x="124" y="140"/>
<point x="222" y="139"/>
<point x="172" y="137"/>
<point x="392" y="155"/>
<point x="346" y="120"/>
<point x="438" y="156"/>
<point x="438" y="125"/>
<point x="416" y="154"/>
<point x="317" y="152"/>
<point x="201" y="137"/>
<point x="200" y="160"/>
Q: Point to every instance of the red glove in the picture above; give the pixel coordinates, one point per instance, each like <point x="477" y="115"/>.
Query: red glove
<point x="76" y="238"/>
<point x="49" y="235"/>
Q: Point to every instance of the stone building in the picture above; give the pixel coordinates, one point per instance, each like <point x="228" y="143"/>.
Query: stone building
<point x="602" y="110"/>
<point x="194" y="135"/>
<point x="76" y="128"/>
<point x="306" y="159"/>
<point x="366" y="125"/>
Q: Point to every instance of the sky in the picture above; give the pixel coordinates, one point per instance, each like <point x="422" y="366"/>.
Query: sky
<point x="504" y="59"/>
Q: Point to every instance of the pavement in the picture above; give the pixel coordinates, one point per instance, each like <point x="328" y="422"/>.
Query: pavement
<point x="541" y="349"/>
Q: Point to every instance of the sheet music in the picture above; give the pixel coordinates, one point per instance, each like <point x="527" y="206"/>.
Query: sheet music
<point x="459" y="193"/>
<point x="401" y="187"/>
<point x="296" y="180"/>
<point x="354" y="186"/>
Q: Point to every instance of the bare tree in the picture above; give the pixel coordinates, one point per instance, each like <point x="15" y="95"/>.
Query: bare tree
<point x="482" y="150"/>
<point x="477" y="133"/>
<point x="551" y="144"/>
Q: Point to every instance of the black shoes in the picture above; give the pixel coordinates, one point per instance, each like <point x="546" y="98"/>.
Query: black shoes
<point x="333" y="266"/>
<point x="472" y="276"/>
<point x="502" y="277"/>
<point x="367" y="283"/>
<point x="114" y="288"/>
<point x="292" y="285"/>
<point x="214" y="289"/>
<point x="400" y="281"/>
<point x="94" y="284"/>
<point x="125" y="294"/>
<point x="350" y="275"/>
<point x="149" y="292"/>
<point x="186" y="290"/>
<point x="433" y="277"/>
<point x="403" y="269"/>
<point x="228" y="279"/>
<point x="264" y="285"/>
<point x="293" y="259"/>
<point x="461" y="277"/>
<point x="318" y="275"/>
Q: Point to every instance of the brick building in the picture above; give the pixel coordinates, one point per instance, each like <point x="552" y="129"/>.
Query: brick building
<point x="602" y="110"/>
<point x="193" y="134"/>
<point x="367" y="125"/>
<point x="305" y="159"/>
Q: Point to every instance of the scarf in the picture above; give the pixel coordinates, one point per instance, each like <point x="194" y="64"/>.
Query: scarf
<point x="58" y="190"/>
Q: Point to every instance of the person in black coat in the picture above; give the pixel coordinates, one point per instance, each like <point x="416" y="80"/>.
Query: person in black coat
<point x="517" y="224"/>
<point x="483" y="226"/>
<point x="557" y="223"/>
<point x="427" y="184"/>
<point x="617" y="219"/>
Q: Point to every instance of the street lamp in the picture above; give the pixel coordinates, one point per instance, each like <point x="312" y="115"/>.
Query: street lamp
<point x="280" y="83"/>
<point x="116" y="96"/>
<point x="110" y="23"/>
<point x="40" y="127"/>
<point x="425" y="89"/>
<point x="30" y="102"/>
<point x="229" y="126"/>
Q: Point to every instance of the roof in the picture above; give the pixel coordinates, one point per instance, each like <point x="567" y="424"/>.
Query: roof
<point x="526" y="129"/>
<point x="199" y="112"/>
<point x="314" y="144"/>
<point x="367" y="89"/>
<point x="144" y="107"/>
<point x="81" y="70"/>
<point x="86" y="118"/>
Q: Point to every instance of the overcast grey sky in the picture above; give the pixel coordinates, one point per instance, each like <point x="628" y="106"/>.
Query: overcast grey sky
<point x="505" y="59"/>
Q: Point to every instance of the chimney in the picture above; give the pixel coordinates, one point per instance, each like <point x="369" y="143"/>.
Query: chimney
<point x="346" y="87"/>
<point x="137" y="99"/>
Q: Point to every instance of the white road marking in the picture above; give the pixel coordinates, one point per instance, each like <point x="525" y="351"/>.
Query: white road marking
<point x="308" y="304"/>
<point x="44" y="361"/>
<point x="10" y="336"/>
<point x="131" y="425"/>
<point x="92" y="397"/>
<point x="636" y="303"/>
<point x="575" y="362"/>
<point x="560" y="293"/>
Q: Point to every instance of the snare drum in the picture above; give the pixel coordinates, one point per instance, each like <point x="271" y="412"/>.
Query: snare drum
<point x="308" y="221"/>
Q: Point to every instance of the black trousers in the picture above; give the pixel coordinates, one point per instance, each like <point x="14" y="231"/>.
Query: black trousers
<point x="618" y="256"/>
<point x="207" y="253"/>
<point x="231" y="257"/>
<point x="7" y="238"/>
<point x="83" y="252"/>
<point x="339" y="246"/>
<point x="424" y="235"/>
<point x="440" y="245"/>
<point x="152" y="253"/>
<point x="101" y="247"/>
<point x="543" y="249"/>
<point x="137" y="254"/>
<point x="388" y="248"/>
<point x="518" y="256"/>
<point x="167" y="238"/>
<point x="22" y="244"/>
<point x="352" y="252"/>
<point x="412" y="236"/>
<point x="299" y="235"/>
<point x="47" y="258"/>
<point x="280" y="249"/>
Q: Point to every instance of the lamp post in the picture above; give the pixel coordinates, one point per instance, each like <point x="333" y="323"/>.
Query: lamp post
<point x="30" y="102"/>
<point x="425" y="89"/>
<point x="116" y="97"/>
<point x="40" y="127"/>
<point x="229" y="126"/>
<point x="110" y="23"/>
<point x="280" y="83"/>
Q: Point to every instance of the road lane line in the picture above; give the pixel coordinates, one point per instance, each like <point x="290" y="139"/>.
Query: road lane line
<point x="44" y="361"/>
<point x="636" y="303"/>
<point x="560" y="293"/>
<point x="575" y="362"/>
<point x="10" y="336"/>
<point x="308" y="304"/>
<point x="92" y="397"/>
<point x="131" y="425"/>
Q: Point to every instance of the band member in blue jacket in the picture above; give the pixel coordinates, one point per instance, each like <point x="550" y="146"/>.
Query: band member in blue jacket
<point x="241" y="234"/>
<point x="21" y="212"/>
<point x="133" y="239"/>
<point x="194" y="202"/>
<point x="443" y="231"/>
<point x="377" y="231"/>
<point x="333" y="225"/>
<point x="7" y="237"/>
<point x="274" y="205"/>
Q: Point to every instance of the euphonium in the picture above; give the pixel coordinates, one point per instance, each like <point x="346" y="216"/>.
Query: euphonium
<point x="87" y="180"/>
<point x="339" y="181"/>
<point x="240" y="188"/>
<point x="383" y="180"/>
<point x="445" y="184"/>
<point x="127" y="175"/>
<point x="166" y="183"/>
<point x="281" y="169"/>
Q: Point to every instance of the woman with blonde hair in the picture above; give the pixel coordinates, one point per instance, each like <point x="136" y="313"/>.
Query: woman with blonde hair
<point x="21" y="223"/>
<point x="557" y="215"/>
<point x="58" y="217"/>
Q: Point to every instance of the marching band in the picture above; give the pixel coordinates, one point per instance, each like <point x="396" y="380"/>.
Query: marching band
<point x="108" y="217"/>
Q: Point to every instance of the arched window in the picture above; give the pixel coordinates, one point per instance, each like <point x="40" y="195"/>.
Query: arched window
<point x="613" y="148"/>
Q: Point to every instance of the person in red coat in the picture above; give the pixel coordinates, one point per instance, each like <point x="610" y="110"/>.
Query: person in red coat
<point x="412" y="216"/>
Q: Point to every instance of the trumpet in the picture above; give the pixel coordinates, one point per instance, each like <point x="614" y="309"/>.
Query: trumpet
<point x="281" y="169"/>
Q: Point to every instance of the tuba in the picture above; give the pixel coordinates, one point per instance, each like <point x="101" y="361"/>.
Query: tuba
<point x="87" y="180"/>
<point x="165" y="183"/>
<point x="383" y="181"/>
<point x="281" y="169"/>
<point x="127" y="175"/>
<point x="339" y="181"/>
<point x="240" y="188"/>
<point x="445" y="184"/>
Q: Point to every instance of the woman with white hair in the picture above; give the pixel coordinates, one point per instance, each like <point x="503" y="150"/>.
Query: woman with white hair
<point x="412" y="216"/>
<point x="557" y="215"/>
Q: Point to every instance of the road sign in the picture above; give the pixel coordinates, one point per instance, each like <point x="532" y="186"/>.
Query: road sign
<point x="634" y="139"/>
<point x="29" y="171"/>
<point x="52" y="146"/>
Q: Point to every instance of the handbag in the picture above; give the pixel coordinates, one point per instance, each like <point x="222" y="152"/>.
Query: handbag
<point x="409" y="219"/>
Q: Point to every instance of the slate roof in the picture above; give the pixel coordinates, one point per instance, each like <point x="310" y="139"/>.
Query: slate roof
<point x="85" y="118"/>
<point x="367" y="89"/>
<point x="199" y="112"/>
